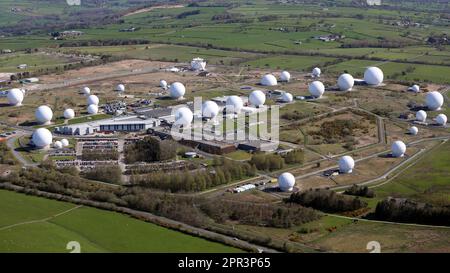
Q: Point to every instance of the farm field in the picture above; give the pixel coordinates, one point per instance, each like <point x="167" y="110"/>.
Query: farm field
<point x="95" y="230"/>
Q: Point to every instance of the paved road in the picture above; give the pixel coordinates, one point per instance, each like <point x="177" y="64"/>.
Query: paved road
<point x="11" y="145"/>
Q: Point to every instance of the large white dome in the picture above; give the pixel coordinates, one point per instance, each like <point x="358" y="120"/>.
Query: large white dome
<point x="441" y="119"/>
<point x="287" y="97"/>
<point x="257" y="98"/>
<point x="413" y="130"/>
<point x="64" y="142"/>
<point x="415" y="88"/>
<point x="316" y="72"/>
<point x="15" y="97"/>
<point x="120" y="88"/>
<point x="57" y="145"/>
<point x="346" y="164"/>
<point x="93" y="99"/>
<point x="286" y="182"/>
<point x="183" y="116"/>
<point x="163" y="84"/>
<point x="434" y="100"/>
<point x="269" y="80"/>
<point x="43" y="114"/>
<point x="86" y="91"/>
<point x="42" y="138"/>
<point x="346" y="82"/>
<point x="285" y="76"/>
<point x="69" y="113"/>
<point x="234" y="104"/>
<point x="210" y="109"/>
<point x="316" y="89"/>
<point x="177" y="90"/>
<point x="398" y="148"/>
<point x="92" y="109"/>
<point x="373" y="76"/>
<point x="421" y="116"/>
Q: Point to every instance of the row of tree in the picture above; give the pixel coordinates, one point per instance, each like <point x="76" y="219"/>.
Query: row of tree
<point x="272" y="162"/>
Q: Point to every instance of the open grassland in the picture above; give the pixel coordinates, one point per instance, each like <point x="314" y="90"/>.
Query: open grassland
<point x="32" y="224"/>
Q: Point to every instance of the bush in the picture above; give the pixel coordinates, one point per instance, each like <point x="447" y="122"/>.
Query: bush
<point x="362" y="191"/>
<point x="106" y="173"/>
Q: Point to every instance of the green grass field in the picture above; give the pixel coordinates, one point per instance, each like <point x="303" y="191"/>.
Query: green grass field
<point x="29" y="224"/>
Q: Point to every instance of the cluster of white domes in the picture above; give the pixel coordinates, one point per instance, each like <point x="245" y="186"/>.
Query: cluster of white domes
<point x="42" y="138"/>
<point x="413" y="130"/>
<point x="257" y="98"/>
<point x="398" y="148"/>
<point x="287" y="97"/>
<point x="93" y="99"/>
<point x="183" y="116"/>
<point x="177" y="90"/>
<point x="373" y="76"/>
<point x="316" y="72"/>
<point x="210" y="109"/>
<point x="346" y="164"/>
<point x="421" y="116"/>
<point x="234" y="104"/>
<point x="316" y="89"/>
<point x="69" y="113"/>
<point x="120" y="88"/>
<point x="86" y="91"/>
<point x="286" y="182"/>
<point x="43" y="114"/>
<point x="269" y="80"/>
<point x="92" y="109"/>
<point x="15" y="97"/>
<point x="163" y="84"/>
<point x="441" y="119"/>
<point x="434" y="100"/>
<point x="285" y="76"/>
<point x="346" y="82"/>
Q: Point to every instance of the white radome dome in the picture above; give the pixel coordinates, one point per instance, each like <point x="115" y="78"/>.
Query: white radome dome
<point x="57" y="145"/>
<point x="257" y="98"/>
<point x="92" y="109"/>
<point x="373" y="76"/>
<point x="234" y="104"/>
<point x="183" y="116"/>
<point x="346" y="82"/>
<point x="413" y="130"/>
<point x="316" y="89"/>
<point x="210" y="109"/>
<point x="415" y="88"/>
<point x="15" y="97"/>
<point x="163" y="84"/>
<point x="285" y="76"/>
<point x="93" y="99"/>
<point x="69" y="113"/>
<point x="43" y="114"/>
<point x="421" y="116"/>
<point x="398" y="148"/>
<point x="287" y="97"/>
<point x="316" y="72"/>
<point x="64" y="142"/>
<point x="286" y="182"/>
<point x="441" y="119"/>
<point x="434" y="100"/>
<point x="346" y="164"/>
<point x="86" y="91"/>
<point x="120" y="88"/>
<point x="42" y="138"/>
<point x="269" y="80"/>
<point x="177" y="90"/>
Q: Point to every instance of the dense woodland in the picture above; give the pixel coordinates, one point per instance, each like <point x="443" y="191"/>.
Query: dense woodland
<point x="272" y="162"/>
<point x="150" y="149"/>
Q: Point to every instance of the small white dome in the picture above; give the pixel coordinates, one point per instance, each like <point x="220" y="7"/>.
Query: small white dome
<point x="57" y="145"/>
<point x="413" y="130"/>
<point x="93" y="99"/>
<point x="120" y="88"/>
<point x="441" y="119"/>
<point x="398" y="148"/>
<point x="287" y="97"/>
<point x="346" y="82"/>
<point x="257" y="98"/>
<point x="346" y="164"/>
<point x="286" y="182"/>
<point x="316" y="89"/>
<point x="434" y="100"/>
<point x="421" y="116"/>
<point x="64" y="142"/>
<point x="42" y="138"/>
<point x="316" y="72"/>
<point x="177" y="90"/>
<point x="15" y="97"/>
<point x="92" y="109"/>
<point x="86" y="91"/>
<point x="234" y="104"/>
<point x="285" y="76"/>
<point x="373" y="76"/>
<point x="163" y="84"/>
<point x="69" y="113"/>
<point x="269" y="80"/>
<point x="44" y="114"/>
<point x="183" y="116"/>
<point x="210" y="109"/>
<point x="415" y="88"/>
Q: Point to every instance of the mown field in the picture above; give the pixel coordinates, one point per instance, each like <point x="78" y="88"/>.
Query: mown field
<point x="32" y="224"/>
